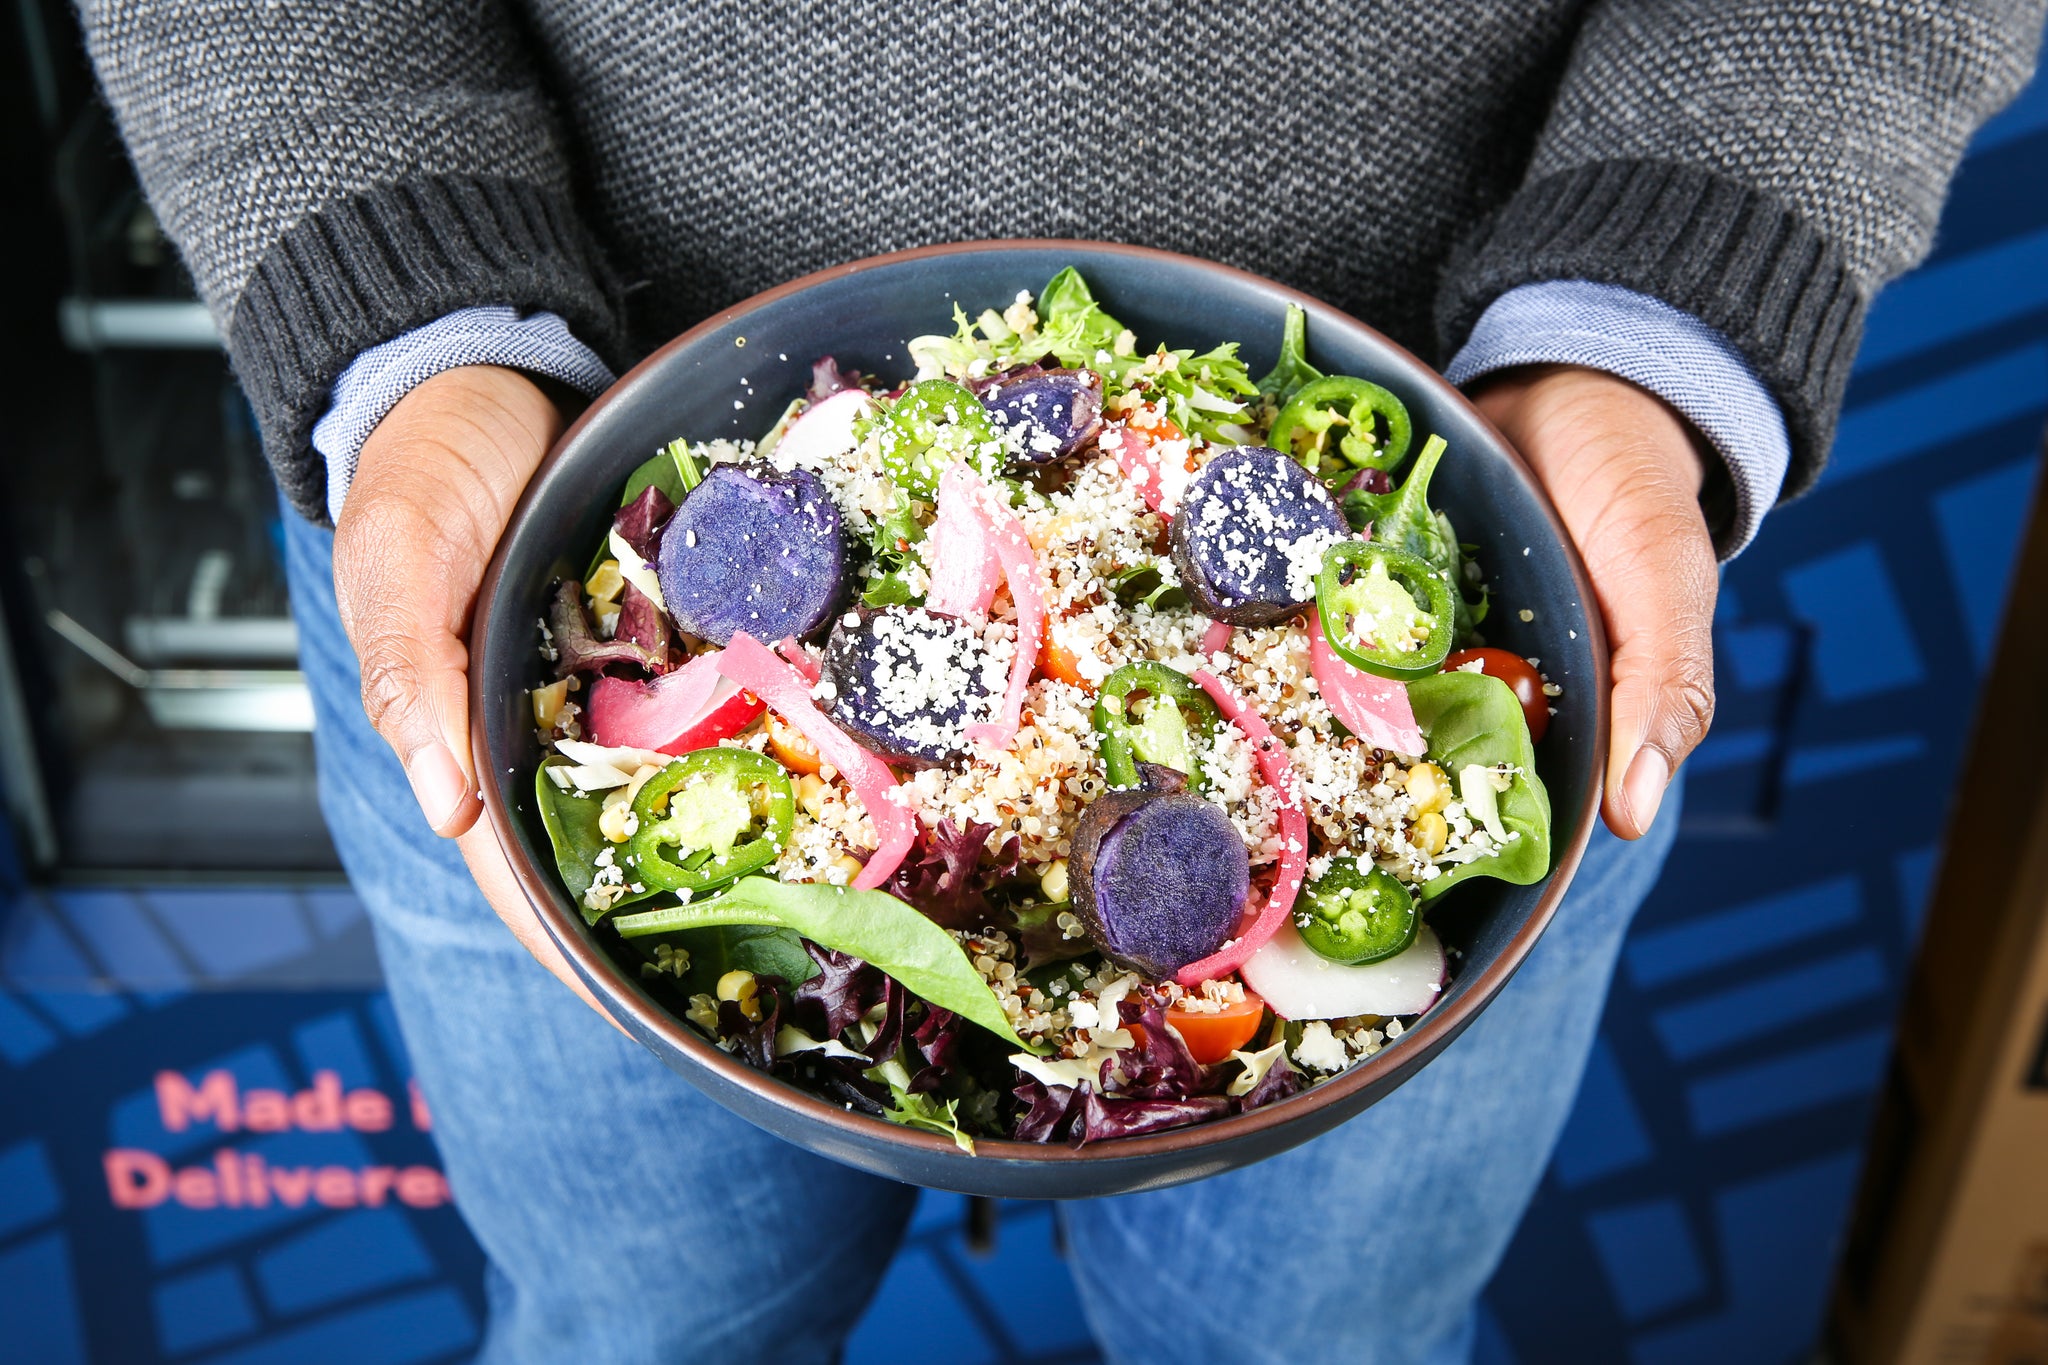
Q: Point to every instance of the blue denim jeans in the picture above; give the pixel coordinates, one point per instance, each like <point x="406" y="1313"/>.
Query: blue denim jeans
<point x="627" y="1218"/>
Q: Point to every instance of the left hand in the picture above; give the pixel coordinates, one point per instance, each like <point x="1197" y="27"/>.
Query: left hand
<point x="1624" y="471"/>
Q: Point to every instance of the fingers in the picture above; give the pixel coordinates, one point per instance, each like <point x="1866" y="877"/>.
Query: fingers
<point x="434" y="487"/>
<point x="494" y="878"/>
<point x="1624" y="471"/>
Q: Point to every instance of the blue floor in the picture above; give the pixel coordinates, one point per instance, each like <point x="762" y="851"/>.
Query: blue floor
<point x="1690" y="1216"/>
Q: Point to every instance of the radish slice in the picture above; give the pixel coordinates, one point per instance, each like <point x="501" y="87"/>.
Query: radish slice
<point x="1274" y="766"/>
<point x="824" y="433"/>
<point x="799" y="658"/>
<point x="691" y="708"/>
<point x="1216" y="639"/>
<point x="1375" y="709"/>
<point x="1299" y="984"/>
<point x="1134" y="456"/>
<point x="754" y="666"/>
<point x="965" y="569"/>
<point x="1020" y="571"/>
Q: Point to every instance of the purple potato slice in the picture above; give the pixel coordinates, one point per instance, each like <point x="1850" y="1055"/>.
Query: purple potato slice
<point x="756" y="550"/>
<point x="1250" y="533"/>
<point x="1058" y="412"/>
<point x="908" y="682"/>
<point x="1158" y="875"/>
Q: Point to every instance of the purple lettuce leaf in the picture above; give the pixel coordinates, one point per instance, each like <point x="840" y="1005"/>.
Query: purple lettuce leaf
<point x="640" y="521"/>
<point x="842" y="1082"/>
<point x="937" y="1040"/>
<point x="1047" y="1110"/>
<point x="844" y="989"/>
<point x="1160" y="1067"/>
<point x="644" y="624"/>
<point x="1108" y="1116"/>
<point x="889" y="1033"/>
<point x="827" y="379"/>
<point x="1025" y="369"/>
<point x="755" y="1038"/>
<point x="950" y="873"/>
<point x="1280" y="1081"/>
<point x="577" y="648"/>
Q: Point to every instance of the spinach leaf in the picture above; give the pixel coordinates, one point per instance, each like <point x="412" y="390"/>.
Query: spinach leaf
<point x="871" y="925"/>
<point x="662" y="471"/>
<point x="1404" y="519"/>
<point x="742" y="948"/>
<point x="1144" y="585"/>
<point x="674" y="470"/>
<point x="1292" y="372"/>
<point x="1470" y="718"/>
<point x="571" y="822"/>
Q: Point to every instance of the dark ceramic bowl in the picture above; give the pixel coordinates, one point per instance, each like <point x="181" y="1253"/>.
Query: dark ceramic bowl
<point x="731" y="376"/>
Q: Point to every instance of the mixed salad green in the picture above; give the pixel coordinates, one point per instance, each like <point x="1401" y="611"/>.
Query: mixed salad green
<point x="1065" y="743"/>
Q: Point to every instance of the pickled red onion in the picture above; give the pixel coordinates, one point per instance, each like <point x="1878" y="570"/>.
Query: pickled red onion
<point x="1274" y="766"/>
<point x="965" y="568"/>
<point x="754" y="666"/>
<point x="1020" y="571"/>
<point x="1216" y="638"/>
<point x="1134" y="456"/>
<point x="1374" y="709"/>
<point x="799" y="658"/>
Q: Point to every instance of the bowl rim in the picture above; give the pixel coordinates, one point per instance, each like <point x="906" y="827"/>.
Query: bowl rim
<point x="621" y="994"/>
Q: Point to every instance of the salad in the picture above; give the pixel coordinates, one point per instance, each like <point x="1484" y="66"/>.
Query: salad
<point x="1065" y="744"/>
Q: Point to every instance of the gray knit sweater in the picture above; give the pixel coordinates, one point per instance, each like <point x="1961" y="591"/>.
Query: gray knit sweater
<point x="336" y="174"/>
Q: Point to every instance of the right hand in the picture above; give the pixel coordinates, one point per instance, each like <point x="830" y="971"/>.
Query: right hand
<point x="434" y="487"/>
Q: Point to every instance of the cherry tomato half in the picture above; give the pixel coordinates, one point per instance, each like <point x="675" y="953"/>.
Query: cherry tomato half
<point x="1057" y="661"/>
<point x="1521" y="677"/>
<point x="1212" y="1037"/>
<point x="790" y="748"/>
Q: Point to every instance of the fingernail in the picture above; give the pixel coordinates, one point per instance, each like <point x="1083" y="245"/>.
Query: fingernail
<point x="1642" y="791"/>
<point x="437" y="783"/>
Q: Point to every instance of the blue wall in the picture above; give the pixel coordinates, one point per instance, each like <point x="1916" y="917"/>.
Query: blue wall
<point x="1692" y="1211"/>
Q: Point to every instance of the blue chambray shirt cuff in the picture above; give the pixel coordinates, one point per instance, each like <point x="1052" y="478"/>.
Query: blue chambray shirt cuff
<point x="1660" y="348"/>
<point x="538" y="343"/>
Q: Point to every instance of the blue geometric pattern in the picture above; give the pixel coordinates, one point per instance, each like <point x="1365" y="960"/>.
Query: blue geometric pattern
<point x="1691" y="1212"/>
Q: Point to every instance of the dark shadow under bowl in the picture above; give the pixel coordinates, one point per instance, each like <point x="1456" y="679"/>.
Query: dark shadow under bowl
<point x="732" y="375"/>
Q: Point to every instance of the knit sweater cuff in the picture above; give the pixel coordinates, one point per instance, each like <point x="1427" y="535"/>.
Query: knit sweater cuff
<point x="1741" y="261"/>
<point x="370" y="268"/>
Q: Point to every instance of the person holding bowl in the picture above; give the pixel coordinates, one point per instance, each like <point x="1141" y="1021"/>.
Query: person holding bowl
<point x="1643" y="236"/>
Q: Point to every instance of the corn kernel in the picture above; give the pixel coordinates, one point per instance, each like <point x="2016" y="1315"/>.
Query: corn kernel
<point x="810" y="794"/>
<point x="1428" y="788"/>
<point x="1431" y="833"/>
<point x="617" y="821"/>
<point x="547" y="703"/>
<point x="606" y="583"/>
<point x="741" y="989"/>
<point x="848" y="867"/>
<point x="1052" y="883"/>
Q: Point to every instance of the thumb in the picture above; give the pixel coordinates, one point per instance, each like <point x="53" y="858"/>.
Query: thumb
<point x="1659" y="604"/>
<point x="434" y="486"/>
